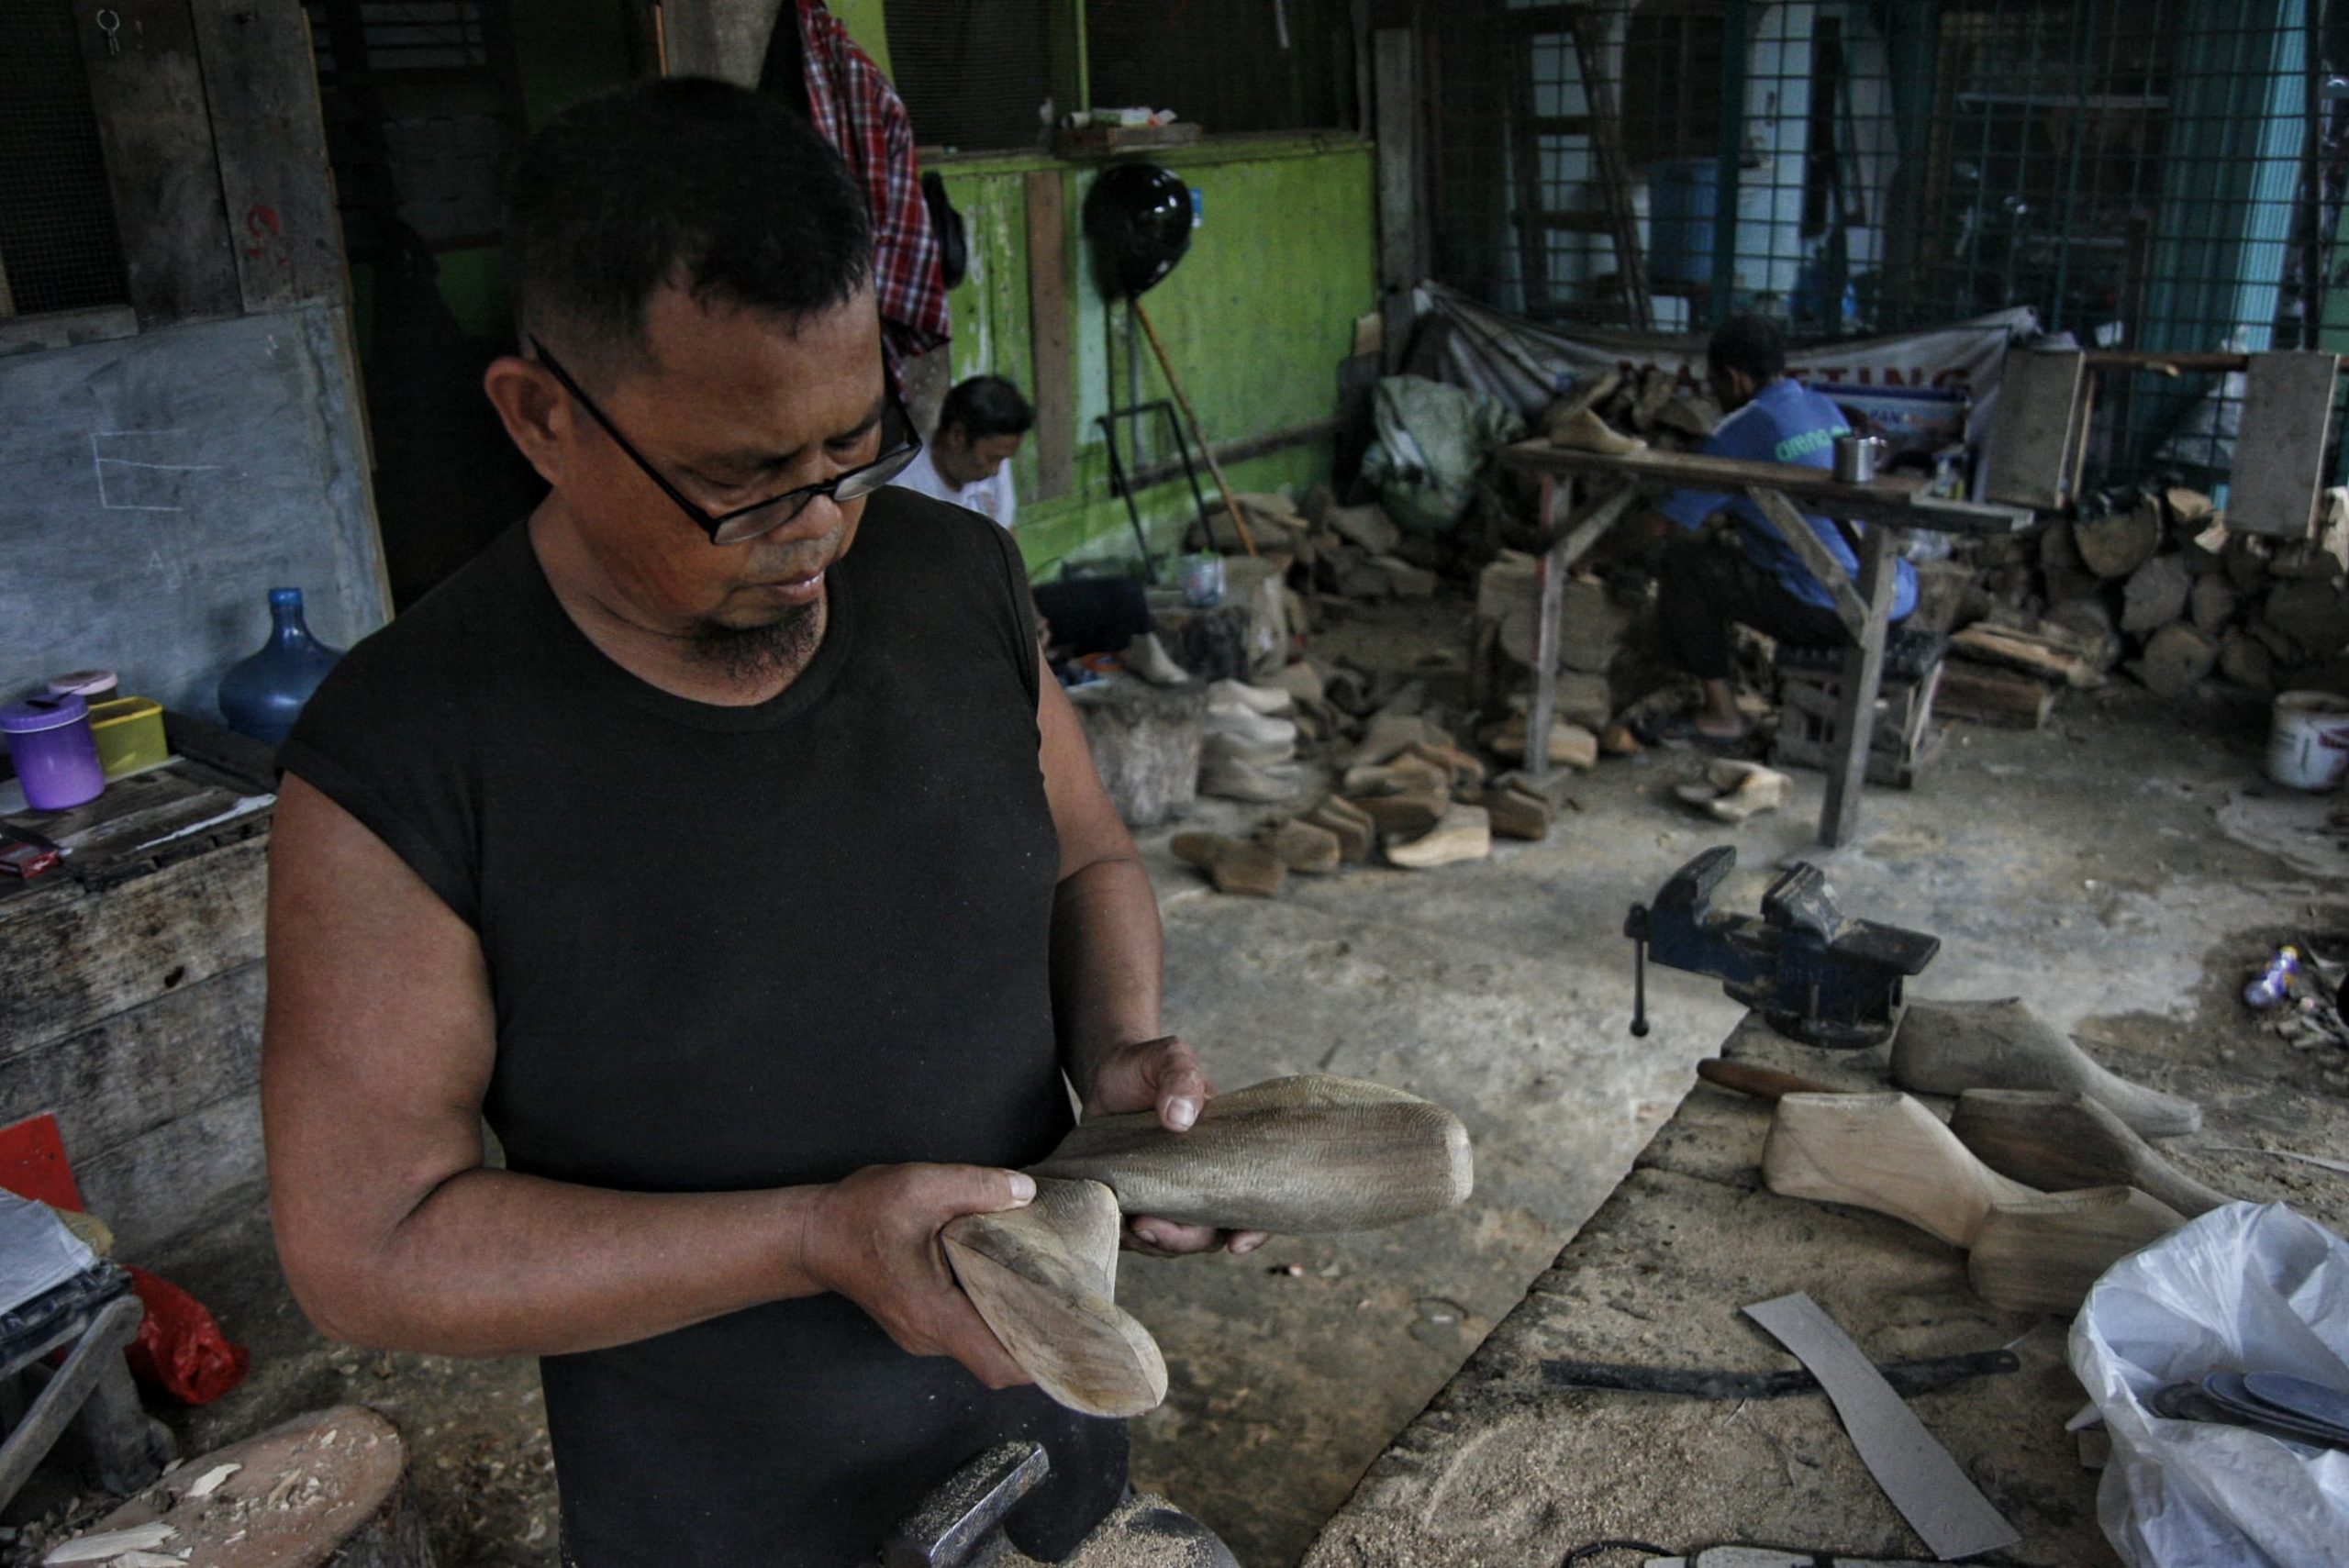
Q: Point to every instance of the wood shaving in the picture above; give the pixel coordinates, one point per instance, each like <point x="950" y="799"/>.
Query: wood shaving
<point x="209" y="1481"/>
<point x="110" y="1544"/>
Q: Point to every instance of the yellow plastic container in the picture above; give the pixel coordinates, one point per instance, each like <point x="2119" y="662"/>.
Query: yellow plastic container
<point x="129" y="732"/>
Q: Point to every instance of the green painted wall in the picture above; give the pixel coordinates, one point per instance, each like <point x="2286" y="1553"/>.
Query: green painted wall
<point x="1256" y="320"/>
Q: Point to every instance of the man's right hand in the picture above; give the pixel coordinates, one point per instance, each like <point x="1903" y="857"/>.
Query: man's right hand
<point x="872" y="1237"/>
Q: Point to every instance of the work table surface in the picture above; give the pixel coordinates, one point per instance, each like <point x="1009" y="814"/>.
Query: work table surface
<point x="1500" y="1471"/>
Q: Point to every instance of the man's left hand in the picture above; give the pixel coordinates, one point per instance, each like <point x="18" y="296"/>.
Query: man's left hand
<point x="1162" y="1075"/>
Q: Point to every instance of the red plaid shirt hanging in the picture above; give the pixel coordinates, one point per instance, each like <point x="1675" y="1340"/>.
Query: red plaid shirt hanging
<point x="862" y="115"/>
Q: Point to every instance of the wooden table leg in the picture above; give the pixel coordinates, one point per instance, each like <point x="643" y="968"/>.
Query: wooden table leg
<point x="1550" y="573"/>
<point x="1863" y="673"/>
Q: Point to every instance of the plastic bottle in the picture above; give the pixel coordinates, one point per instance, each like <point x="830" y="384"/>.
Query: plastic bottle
<point x="2274" y="982"/>
<point x="262" y="696"/>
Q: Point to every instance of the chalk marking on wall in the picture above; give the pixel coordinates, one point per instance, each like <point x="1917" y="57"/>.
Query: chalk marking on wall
<point x="130" y="475"/>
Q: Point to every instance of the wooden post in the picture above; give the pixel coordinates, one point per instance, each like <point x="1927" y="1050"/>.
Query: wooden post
<point x="1863" y="672"/>
<point x="1549" y="579"/>
<point x="1049" y="324"/>
<point x="1394" y="77"/>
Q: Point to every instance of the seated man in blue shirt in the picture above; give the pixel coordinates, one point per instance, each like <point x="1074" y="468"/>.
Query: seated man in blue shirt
<point x="1705" y="584"/>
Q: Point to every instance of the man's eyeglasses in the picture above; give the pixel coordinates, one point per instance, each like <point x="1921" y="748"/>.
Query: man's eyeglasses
<point x="759" y="517"/>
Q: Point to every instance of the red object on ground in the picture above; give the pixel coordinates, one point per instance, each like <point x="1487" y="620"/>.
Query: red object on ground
<point x="32" y="1162"/>
<point x="180" y="1348"/>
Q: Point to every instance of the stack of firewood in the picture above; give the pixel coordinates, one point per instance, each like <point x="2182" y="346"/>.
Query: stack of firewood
<point x="2162" y="587"/>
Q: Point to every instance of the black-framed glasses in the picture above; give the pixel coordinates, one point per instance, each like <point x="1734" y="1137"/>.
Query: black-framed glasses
<point x="759" y="517"/>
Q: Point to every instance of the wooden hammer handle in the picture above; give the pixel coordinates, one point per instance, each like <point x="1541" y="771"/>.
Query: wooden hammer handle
<point x="1763" y="1083"/>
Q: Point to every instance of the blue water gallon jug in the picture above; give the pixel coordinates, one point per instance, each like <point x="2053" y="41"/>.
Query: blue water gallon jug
<point x="262" y="696"/>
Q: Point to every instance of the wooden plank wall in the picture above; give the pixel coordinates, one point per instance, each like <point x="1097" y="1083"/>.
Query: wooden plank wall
<point x="155" y="129"/>
<point x="135" y="1016"/>
<point x="262" y="91"/>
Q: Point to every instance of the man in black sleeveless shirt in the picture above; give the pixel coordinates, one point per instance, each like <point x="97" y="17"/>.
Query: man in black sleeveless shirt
<point x="756" y="892"/>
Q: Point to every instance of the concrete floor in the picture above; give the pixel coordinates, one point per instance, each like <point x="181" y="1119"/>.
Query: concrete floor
<point x="2079" y="867"/>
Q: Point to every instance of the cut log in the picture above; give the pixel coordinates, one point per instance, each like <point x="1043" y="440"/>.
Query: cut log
<point x="2244" y="660"/>
<point x="1296" y="1156"/>
<point x="2282" y="649"/>
<point x="2245" y="561"/>
<point x="2085" y="626"/>
<point x="2067" y="575"/>
<point x="2176" y="658"/>
<point x="1988" y="695"/>
<point x="2155" y="596"/>
<point x="2117" y="544"/>
<point x="2212" y="603"/>
<point x="325" y="1490"/>
<point x="1044" y="1277"/>
<point x="2314" y="614"/>
<point x="1947" y="1048"/>
<point x="2033" y="655"/>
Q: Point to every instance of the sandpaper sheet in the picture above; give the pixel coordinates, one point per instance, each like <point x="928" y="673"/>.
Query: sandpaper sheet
<point x="1924" y="1483"/>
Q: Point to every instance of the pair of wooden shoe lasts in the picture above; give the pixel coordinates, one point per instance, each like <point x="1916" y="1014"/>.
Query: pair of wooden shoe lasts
<point x="2046" y="1184"/>
<point x="1291" y="1155"/>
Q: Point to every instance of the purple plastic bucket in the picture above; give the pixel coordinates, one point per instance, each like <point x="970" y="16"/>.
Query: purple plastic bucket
<point x="55" y="754"/>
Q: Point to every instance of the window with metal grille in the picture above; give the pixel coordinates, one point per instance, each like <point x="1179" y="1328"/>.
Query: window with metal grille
<point x="974" y="74"/>
<point x="422" y="104"/>
<point x="1229" y="65"/>
<point x="2164" y="175"/>
<point x="58" y="246"/>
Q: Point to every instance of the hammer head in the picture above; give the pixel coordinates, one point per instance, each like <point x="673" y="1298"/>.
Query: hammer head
<point x="953" y="1522"/>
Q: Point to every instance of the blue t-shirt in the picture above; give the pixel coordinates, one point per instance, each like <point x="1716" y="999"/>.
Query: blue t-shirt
<point x="1786" y="422"/>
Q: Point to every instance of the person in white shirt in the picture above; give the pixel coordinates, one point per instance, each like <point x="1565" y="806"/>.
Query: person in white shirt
<point x="968" y="463"/>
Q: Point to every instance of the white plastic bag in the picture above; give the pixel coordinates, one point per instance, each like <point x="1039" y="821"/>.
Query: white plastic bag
<point x="2249" y="1287"/>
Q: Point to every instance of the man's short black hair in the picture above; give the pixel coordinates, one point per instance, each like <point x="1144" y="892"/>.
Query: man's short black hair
<point x="719" y="188"/>
<point x="1754" y="344"/>
<point x="986" y="406"/>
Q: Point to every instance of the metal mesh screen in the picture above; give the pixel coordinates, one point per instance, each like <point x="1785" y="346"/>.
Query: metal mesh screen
<point x="2146" y="175"/>
<point x="57" y="245"/>
<point x="974" y="74"/>
<point x="1231" y="65"/>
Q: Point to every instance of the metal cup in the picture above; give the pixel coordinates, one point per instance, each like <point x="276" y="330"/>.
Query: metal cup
<point x="1856" y="457"/>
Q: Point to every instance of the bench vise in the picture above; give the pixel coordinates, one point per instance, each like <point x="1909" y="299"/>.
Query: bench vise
<point x="1814" y="975"/>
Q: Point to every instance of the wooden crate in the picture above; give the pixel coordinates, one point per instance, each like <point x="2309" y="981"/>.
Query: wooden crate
<point x="1902" y="745"/>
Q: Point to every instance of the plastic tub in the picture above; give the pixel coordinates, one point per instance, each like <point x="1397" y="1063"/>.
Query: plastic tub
<point x="2308" y="741"/>
<point x="129" y="733"/>
<point x="56" y="758"/>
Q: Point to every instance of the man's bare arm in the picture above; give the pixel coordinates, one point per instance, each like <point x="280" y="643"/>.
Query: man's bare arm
<point x="1107" y="955"/>
<point x="376" y="1054"/>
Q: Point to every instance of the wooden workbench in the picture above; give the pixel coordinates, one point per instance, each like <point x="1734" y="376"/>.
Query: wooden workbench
<point x="131" y="986"/>
<point x="1501" y="1471"/>
<point x="1889" y="506"/>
